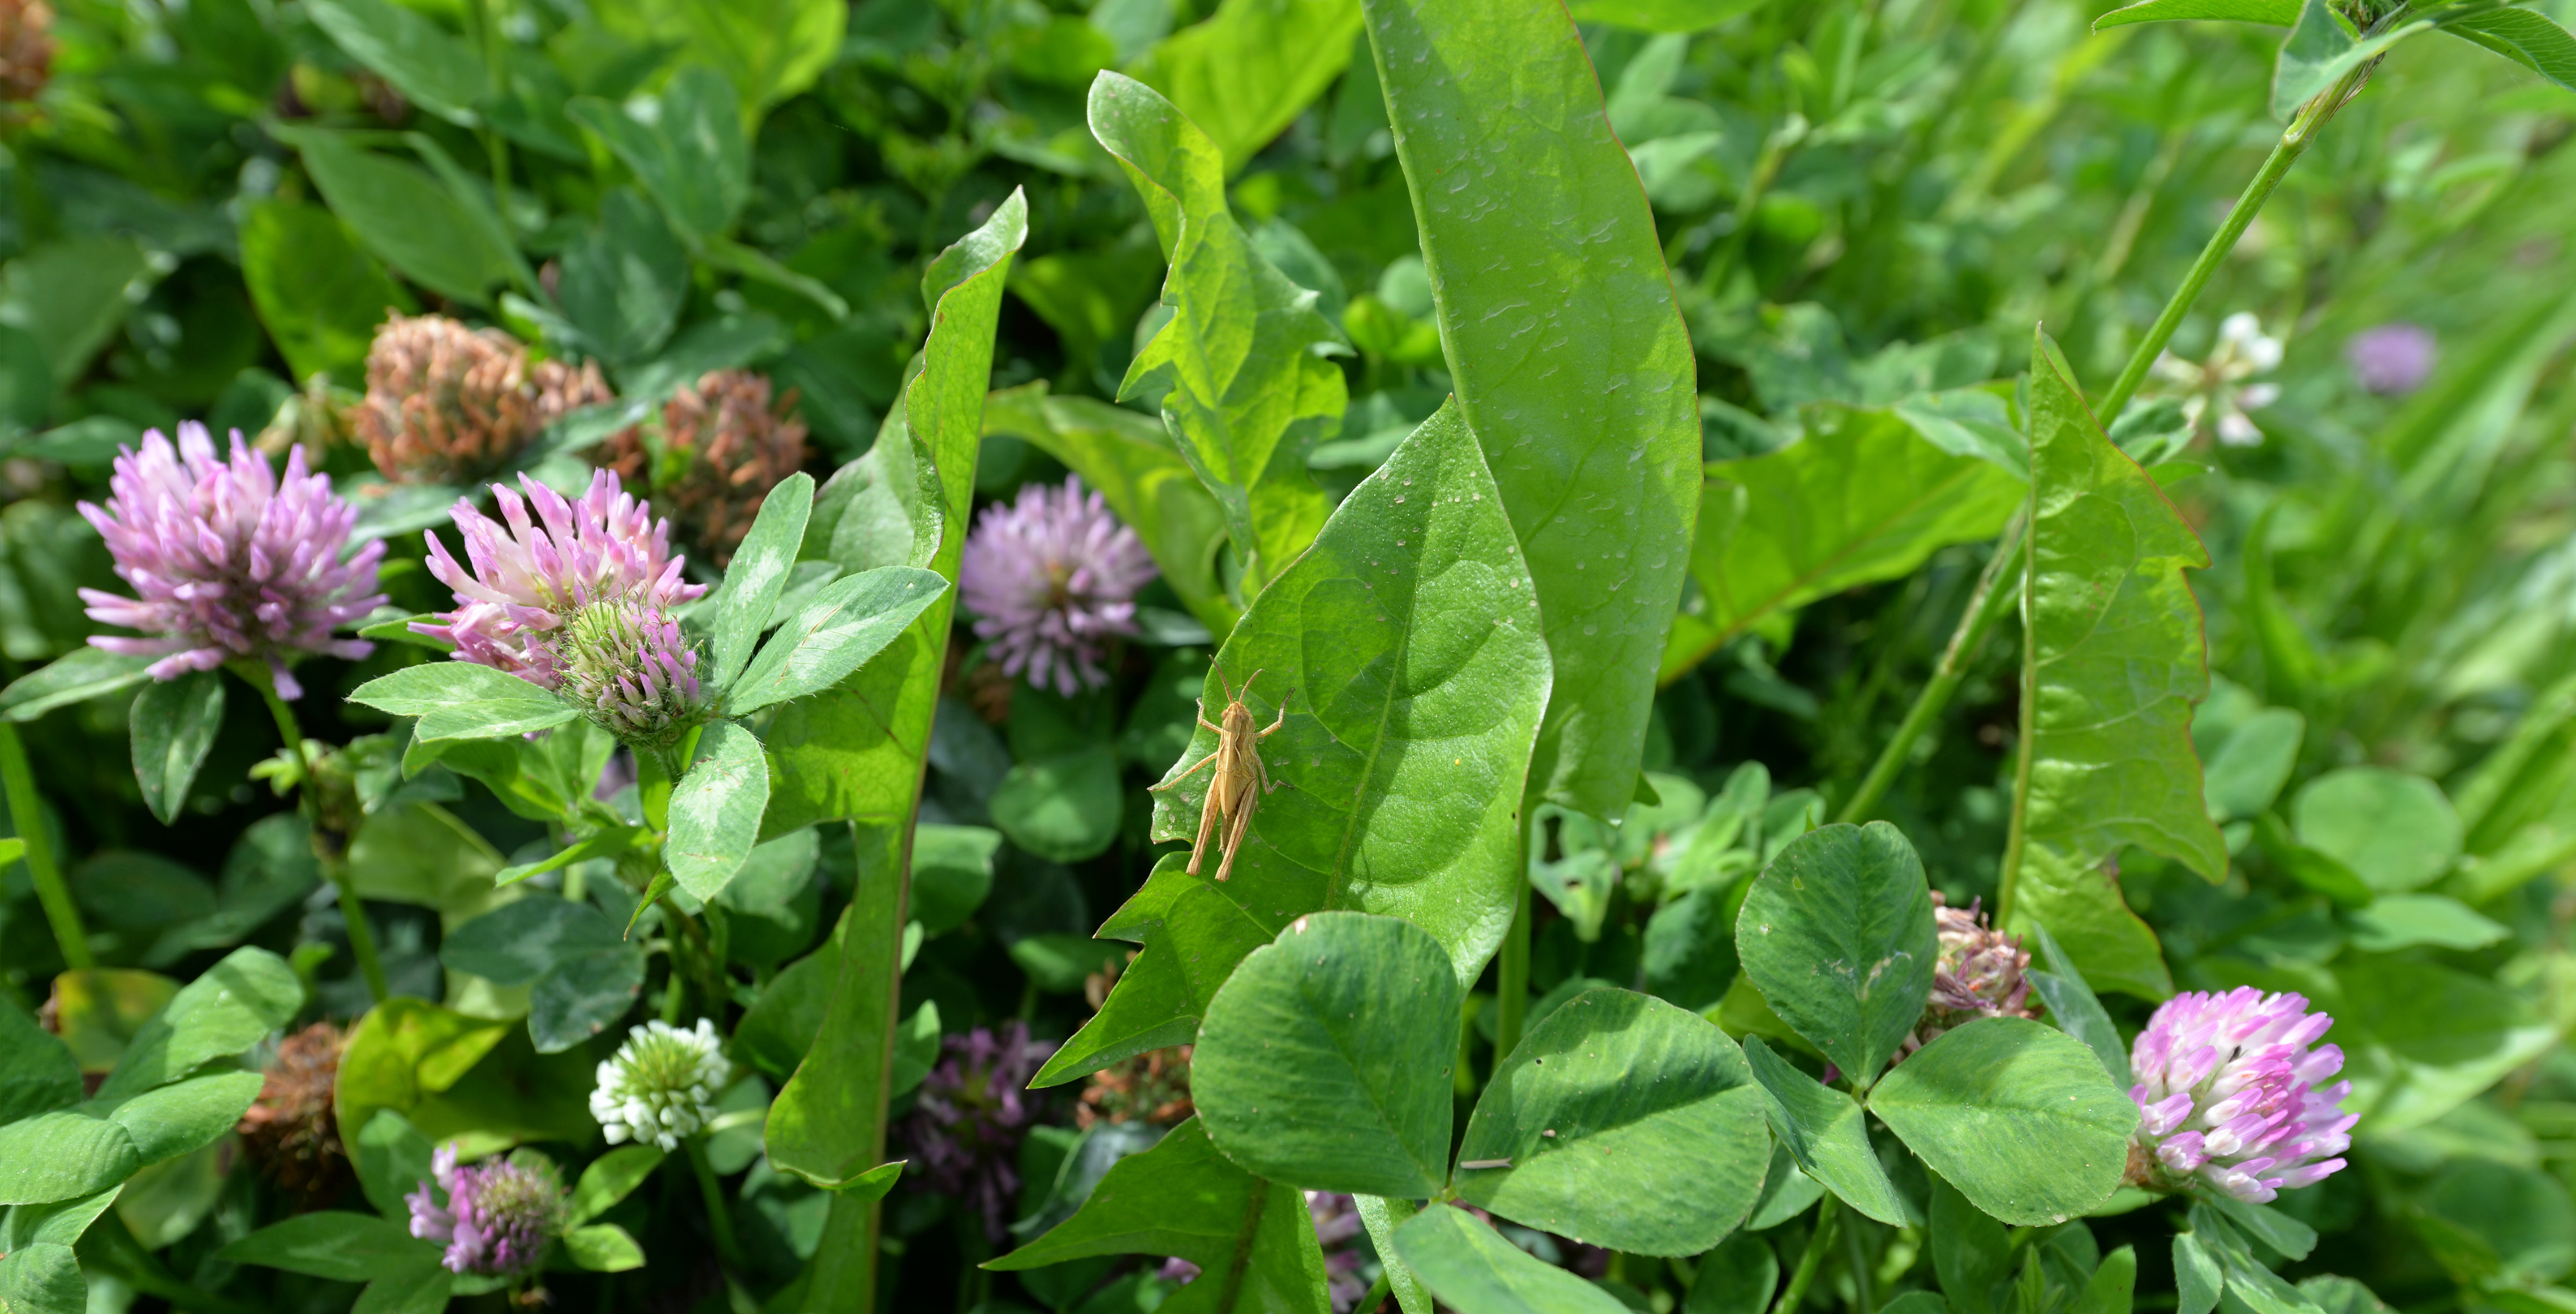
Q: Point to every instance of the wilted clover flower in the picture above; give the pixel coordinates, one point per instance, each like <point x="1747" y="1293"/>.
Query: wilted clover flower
<point x="498" y="1216"/>
<point x="529" y="578"/>
<point x="292" y="1131"/>
<point x="26" y="48"/>
<point x="2391" y="360"/>
<point x="2215" y="392"/>
<point x="723" y="445"/>
<point x="1979" y="973"/>
<point x="1152" y="1087"/>
<point x="228" y="562"/>
<point x="630" y="670"/>
<point x="2227" y="1093"/>
<point x="661" y="1085"/>
<point x="1050" y="579"/>
<point x="447" y="403"/>
<point x="973" y="1110"/>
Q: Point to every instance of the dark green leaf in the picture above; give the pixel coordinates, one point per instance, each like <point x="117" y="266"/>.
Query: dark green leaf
<point x="317" y="294"/>
<point x="70" y="295"/>
<point x="952" y="872"/>
<point x="1737" y="1277"/>
<point x="2288" y="1237"/>
<point x="60" y="1223"/>
<point x="2019" y="1117"/>
<point x="392" y="1159"/>
<point x="1245" y="73"/>
<point x="2197" y="1277"/>
<point x="603" y="1248"/>
<point x="44" y="1278"/>
<point x="1194" y="932"/>
<point x="686" y="146"/>
<point x="625" y="281"/>
<point x="2076" y="1011"/>
<point x="37" y="1073"/>
<point x="2525" y="36"/>
<point x="1064" y="808"/>
<point x="1624" y="1122"/>
<point x="716" y="809"/>
<point x="333" y="1244"/>
<point x="174" y="725"/>
<point x="2248" y="770"/>
<point x="1469" y="1266"/>
<point x="1970" y="1252"/>
<point x="77" y="676"/>
<point x="1690" y="955"/>
<point x="438" y="72"/>
<point x="2278" y="13"/>
<point x="406" y="217"/>
<point x="1837" y="933"/>
<point x="168" y="1121"/>
<point x="846" y="625"/>
<point x="2320" y="49"/>
<point x="1825" y="1132"/>
<point x="418" y="1285"/>
<point x="586" y="974"/>
<point x="1568" y="354"/>
<point x="2400" y="921"/>
<point x="2113" y="1287"/>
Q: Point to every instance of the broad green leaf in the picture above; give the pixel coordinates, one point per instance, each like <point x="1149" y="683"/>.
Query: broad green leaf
<point x="437" y="71"/>
<point x="2249" y="768"/>
<point x="317" y="294"/>
<point x="464" y="700"/>
<point x="1252" y="67"/>
<point x="62" y="1156"/>
<point x="847" y="624"/>
<point x="331" y="1243"/>
<point x="1244" y="390"/>
<point x="2076" y="1011"/>
<point x="2393" y="829"/>
<point x="1738" y="1277"/>
<point x="1662" y="16"/>
<point x="423" y="854"/>
<point x="2113" y="1287"/>
<point x="2425" y="1039"/>
<point x="1689" y="945"/>
<point x="716" y="809"/>
<point x="1193" y="931"/>
<point x="172" y="1120"/>
<point x="1132" y="461"/>
<point x="2402" y="921"/>
<point x="1786" y="1192"/>
<point x="403" y="1052"/>
<point x="952" y="873"/>
<point x="418" y="1285"/>
<point x="1315" y="1063"/>
<point x="686" y="146"/>
<point x="2278" y="13"/>
<point x="2198" y="1279"/>
<point x="43" y="1278"/>
<point x="1469" y="1266"/>
<point x="1970" y="1252"/>
<point x="624" y="282"/>
<point x="2111" y="666"/>
<point x="1182" y="1198"/>
<point x="71" y="295"/>
<point x="2525" y="36"/>
<point x="769" y="49"/>
<point x="406" y="217"/>
<point x="1824" y="1131"/>
<point x="2019" y="1117"/>
<point x="1566" y="349"/>
<point x="2319" y="50"/>
<point x="232" y="1006"/>
<point x="1403" y="636"/>
<point x="37" y="1071"/>
<point x="2287" y="1236"/>
<point x="1064" y="808"/>
<point x="174" y="725"/>
<point x="603" y="1248"/>
<point x="1621" y="1121"/>
<point x="99" y="1011"/>
<point x="742" y="607"/>
<point x="1380" y="1217"/>
<point x="76" y="676"/>
<point x="59" y="1223"/>
<point x="1862" y="497"/>
<point x="391" y="1158"/>
<point x="586" y="973"/>
<point x="1837" y="934"/>
<point x="2257" y="1287"/>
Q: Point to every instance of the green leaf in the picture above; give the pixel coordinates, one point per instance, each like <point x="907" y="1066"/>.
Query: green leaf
<point x="1182" y="1198"/>
<point x="1837" y="933"/>
<point x="406" y="217"/>
<point x="1624" y="1122"/>
<point x="769" y="49"/>
<point x="1193" y="931"/>
<point x="174" y="725"/>
<point x="743" y="606"/>
<point x="1059" y="964"/>
<point x="1824" y="1131"/>
<point x="686" y="146"/>
<point x="625" y="281"/>
<point x="1244" y="389"/>
<point x="2393" y="829"/>
<point x="847" y="624"/>
<point x="420" y="1285"/>
<point x="436" y="71"/>
<point x="1689" y="945"/>
<point x="1063" y="808"/>
<point x="43" y="1278"/>
<point x="916" y="1050"/>
<point x="2113" y="1287"/>
<point x="2076" y="1011"/>
<point x="2278" y="13"/>
<point x="464" y="700"/>
<point x="1469" y="1266"/>
<point x="2287" y="1236"/>
<point x="1662" y="16"/>
<point x="62" y="1156"/>
<point x="1132" y="461"/>
<point x="2426" y="1039"/>
<point x="333" y="1244"/>
<point x="1252" y="67"/>
<point x="37" y="1071"/>
<point x="2525" y="36"/>
<point x="1738" y="1277"/>
<point x="2197" y="1277"/>
<point x="585" y="973"/>
<point x="1566" y="349"/>
<point x="232" y="1006"/>
<point x="716" y="809"/>
<point x="60" y="1223"/>
<point x="2402" y="921"/>
<point x="77" y="676"/>
<point x="1970" y="1252"/>
<point x="606" y="844"/>
<point x="317" y="294"/>
<point x="2320" y="49"/>
<point x="169" y="1121"/>
<point x="603" y="1248"/>
<point x="2018" y="1116"/>
<point x="392" y="1159"/>
<point x="2248" y="770"/>
<point x="1314" y="1063"/>
<point x="71" y="296"/>
<point x="403" y="1052"/>
<point x="1862" y="497"/>
<point x="2112" y="665"/>
<point x="952" y="873"/>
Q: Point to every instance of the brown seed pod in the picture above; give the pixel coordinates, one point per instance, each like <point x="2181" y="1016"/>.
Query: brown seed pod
<point x="293" y="1131"/>
<point x="722" y="444"/>
<point x="446" y="403"/>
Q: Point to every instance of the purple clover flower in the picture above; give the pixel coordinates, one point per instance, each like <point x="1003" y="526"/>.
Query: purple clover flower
<point x="1050" y="578"/>
<point x="499" y="1216"/>
<point x="2227" y="1091"/>
<point x="973" y="1110"/>
<point x="529" y="578"/>
<point x="228" y="561"/>
<point x="2391" y="360"/>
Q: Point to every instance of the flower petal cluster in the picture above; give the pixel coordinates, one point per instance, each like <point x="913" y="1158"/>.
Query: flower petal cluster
<point x="630" y="670"/>
<point x="661" y="1085"/>
<point x="447" y="403"/>
<point x="497" y="1218"/>
<point x="228" y="562"/>
<point x="2392" y="360"/>
<point x="1979" y="972"/>
<point x="973" y="1110"/>
<point x="2228" y="1095"/>
<point x="2216" y="392"/>
<point x="1050" y="579"/>
<point x="531" y="574"/>
<point x="724" y="444"/>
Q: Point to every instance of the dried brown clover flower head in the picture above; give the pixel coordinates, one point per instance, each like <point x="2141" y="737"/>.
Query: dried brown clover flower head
<point x="292" y="1131"/>
<point x="1153" y="1087"/>
<point x="450" y="404"/>
<point x="724" y="444"/>
<point x="1982" y="972"/>
<point x="26" y="48"/>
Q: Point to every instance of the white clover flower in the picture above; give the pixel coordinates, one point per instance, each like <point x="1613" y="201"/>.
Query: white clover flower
<point x="2216" y="390"/>
<point x="661" y="1085"/>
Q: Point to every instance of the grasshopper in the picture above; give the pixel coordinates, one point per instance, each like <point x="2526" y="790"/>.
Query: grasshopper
<point x="1235" y="790"/>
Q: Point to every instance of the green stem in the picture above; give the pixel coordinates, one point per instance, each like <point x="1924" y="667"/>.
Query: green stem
<point x="27" y="814"/>
<point x="719" y="1217"/>
<point x="1986" y="607"/>
<point x="1776" y="149"/>
<point x="1827" y="1214"/>
<point x="353" y="910"/>
<point x="2026" y="729"/>
<point x="1376" y="1294"/>
<point x="1511" y="980"/>
<point x="1856" y="1253"/>
<point x="109" y="1248"/>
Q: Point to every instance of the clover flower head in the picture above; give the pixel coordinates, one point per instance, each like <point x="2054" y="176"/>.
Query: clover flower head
<point x="1050" y="579"/>
<point x="292" y="1131"/>
<point x="661" y="1085"/>
<point x="724" y="444"/>
<point x="625" y="663"/>
<point x="531" y="575"/>
<point x="2391" y="360"/>
<point x="228" y="561"/>
<point x="498" y="1216"/>
<point x="972" y="1112"/>
<point x="2216" y="392"/>
<point x="2228" y="1095"/>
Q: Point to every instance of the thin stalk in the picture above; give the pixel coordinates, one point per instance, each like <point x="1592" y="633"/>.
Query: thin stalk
<point x="362" y="937"/>
<point x="719" y="1217"/>
<point x="1996" y="590"/>
<point x="1376" y="1294"/>
<point x="27" y="814"/>
<point x="1828" y="1213"/>
<point x="1856" y="1253"/>
<point x="1511" y="979"/>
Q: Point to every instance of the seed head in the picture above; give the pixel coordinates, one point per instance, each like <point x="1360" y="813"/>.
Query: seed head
<point x="722" y="446"/>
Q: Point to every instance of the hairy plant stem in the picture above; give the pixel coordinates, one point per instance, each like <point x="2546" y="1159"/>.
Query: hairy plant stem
<point x="1828" y="1213"/>
<point x="27" y="815"/>
<point x="353" y="910"/>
